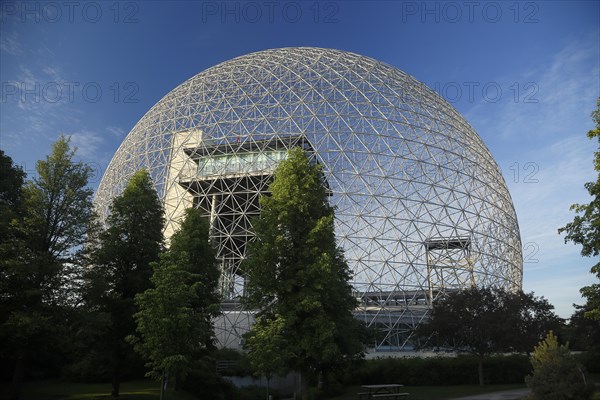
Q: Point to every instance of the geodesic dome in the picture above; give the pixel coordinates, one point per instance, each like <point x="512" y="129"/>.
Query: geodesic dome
<point x="421" y="206"/>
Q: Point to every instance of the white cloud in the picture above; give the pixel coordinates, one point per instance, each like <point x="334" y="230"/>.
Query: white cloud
<point x="552" y="268"/>
<point x="565" y="87"/>
<point x="563" y="168"/>
<point x="551" y="135"/>
<point x="54" y="72"/>
<point x="116" y="131"/>
<point x="88" y="143"/>
<point x="9" y="43"/>
<point x="43" y="100"/>
<point x="26" y="77"/>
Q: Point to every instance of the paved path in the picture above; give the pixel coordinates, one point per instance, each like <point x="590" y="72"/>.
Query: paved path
<point x="504" y="395"/>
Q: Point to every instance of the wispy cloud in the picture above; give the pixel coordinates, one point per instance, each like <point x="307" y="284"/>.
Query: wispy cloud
<point x="88" y="143"/>
<point x="563" y="87"/>
<point x="561" y="169"/>
<point x="546" y="159"/>
<point x="9" y="43"/>
<point x="42" y="98"/>
<point x="54" y="73"/>
<point x="116" y="131"/>
<point x="44" y="51"/>
<point x="543" y="207"/>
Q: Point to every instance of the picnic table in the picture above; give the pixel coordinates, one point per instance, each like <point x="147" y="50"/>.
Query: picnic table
<point x="388" y="391"/>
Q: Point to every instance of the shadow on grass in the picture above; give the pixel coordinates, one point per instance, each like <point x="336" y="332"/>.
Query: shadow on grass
<point x="58" y="390"/>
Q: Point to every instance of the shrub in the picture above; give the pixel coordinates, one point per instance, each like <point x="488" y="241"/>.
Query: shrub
<point x="556" y="373"/>
<point x="206" y="384"/>
<point x="506" y="369"/>
<point x="590" y="360"/>
<point x="255" y="393"/>
<point x="439" y="370"/>
<point x="87" y="369"/>
<point x="240" y="365"/>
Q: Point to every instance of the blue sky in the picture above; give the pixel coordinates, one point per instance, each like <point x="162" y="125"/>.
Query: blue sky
<point x="525" y="75"/>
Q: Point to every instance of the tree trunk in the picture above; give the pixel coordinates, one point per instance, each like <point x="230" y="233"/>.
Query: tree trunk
<point x="268" y="387"/>
<point x="300" y="388"/>
<point x="162" y="386"/>
<point x="116" y="382"/>
<point x="302" y="394"/>
<point x="18" y="376"/>
<point x="304" y="385"/>
<point x="320" y="380"/>
<point x="480" y="369"/>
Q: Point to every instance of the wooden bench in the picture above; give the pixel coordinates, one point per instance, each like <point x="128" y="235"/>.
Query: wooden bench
<point x="366" y="395"/>
<point x="382" y="391"/>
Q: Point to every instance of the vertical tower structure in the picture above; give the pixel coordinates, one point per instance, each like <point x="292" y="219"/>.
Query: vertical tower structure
<point x="421" y="206"/>
<point x="226" y="184"/>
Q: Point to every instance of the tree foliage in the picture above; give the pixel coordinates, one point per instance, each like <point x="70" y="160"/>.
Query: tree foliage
<point x="526" y="318"/>
<point x="120" y="259"/>
<point x="12" y="179"/>
<point x="13" y="318"/>
<point x="583" y="333"/>
<point x="174" y="321"/>
<point x="298" y="278"/>
<point x="585" y="228"/>
<point x="268" y="335"/>
<point x="59" y="203"/>
<point x="556" y="374"/>
<point x="483" y="321"/>
<point x="43" y="226"/>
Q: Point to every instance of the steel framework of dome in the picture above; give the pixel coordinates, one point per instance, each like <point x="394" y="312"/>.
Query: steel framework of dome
<point x="421" y="206"/>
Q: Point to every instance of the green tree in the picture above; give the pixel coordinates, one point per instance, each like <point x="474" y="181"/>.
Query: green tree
<point x="483" y="321"/>
<point x="12" y="265"/>
<point x="12" y="179"/>
<point x="556" y="374"/>
<point x="174" y="324"/>
<point x="585" y="228"/>
<point x="298" y="278"/>
<point x="583" y="333"/>
<point x="527" y="318"/>
<point x="121" y="258"/>
<point x="45" y="226"/>
<point x="268" y="336"/>
<point x="59" y="204"/>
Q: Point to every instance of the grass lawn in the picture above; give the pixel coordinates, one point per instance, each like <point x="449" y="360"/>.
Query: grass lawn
<point x="136" y="390"/>
<point x="149" y="390"/>
<point x="435" y="392"/>
<point x="449" y="392"/>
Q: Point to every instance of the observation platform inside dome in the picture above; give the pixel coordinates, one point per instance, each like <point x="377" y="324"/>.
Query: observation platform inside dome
<point x="448" y="243"/>
<point x="226" y="185"/>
